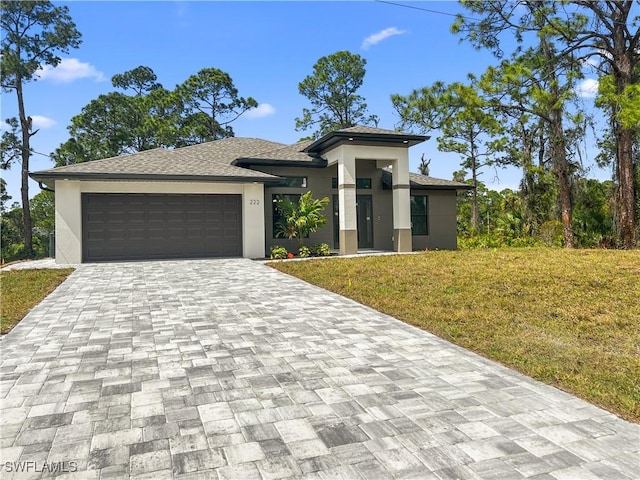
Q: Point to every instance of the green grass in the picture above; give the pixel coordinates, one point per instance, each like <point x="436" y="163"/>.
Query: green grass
<point x="21" y="290"/>
<point x="570" y="318"/>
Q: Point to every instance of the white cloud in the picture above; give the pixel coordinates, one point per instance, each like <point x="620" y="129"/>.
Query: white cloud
<point x="587" y="88"/>
<point x="262" y="110"/>
<point x="380" y="36"/>
<point x="42" y="122"/>
<point x="68" y="70"/>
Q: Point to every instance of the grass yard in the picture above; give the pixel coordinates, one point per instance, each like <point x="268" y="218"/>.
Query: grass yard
<point x="570" y="318"/>
<point x="21" y="290"/>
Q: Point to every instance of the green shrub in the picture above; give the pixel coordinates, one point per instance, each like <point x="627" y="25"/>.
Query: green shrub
<point x="525" y="242"/>
<point x="304" y="252"/>
<point x="551" y="233"/>
<point x="322" y="250"/>
<point x="494" y="241"/>
<point x="16" y="251"/>
<point x="278" y="252"/>
<point x="478" y="241"/>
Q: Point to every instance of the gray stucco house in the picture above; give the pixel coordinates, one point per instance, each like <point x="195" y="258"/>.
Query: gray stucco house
<point x="219" y="198"/>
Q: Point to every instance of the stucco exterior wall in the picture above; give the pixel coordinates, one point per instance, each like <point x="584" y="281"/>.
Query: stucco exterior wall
<point x="441" y="203"/>
<point x="319" y="183"/>
<point x="69" y="213"/>
<point x="442" y="211"/>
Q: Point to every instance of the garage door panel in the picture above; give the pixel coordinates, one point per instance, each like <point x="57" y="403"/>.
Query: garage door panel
<point x="141" y="226"/>
<point x="137" y="234"/>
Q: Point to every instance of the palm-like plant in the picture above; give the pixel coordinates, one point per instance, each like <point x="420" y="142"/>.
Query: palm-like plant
<point x="301" y="219"/>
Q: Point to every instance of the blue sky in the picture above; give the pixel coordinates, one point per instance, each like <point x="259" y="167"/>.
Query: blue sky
<point x="267" y="48"/>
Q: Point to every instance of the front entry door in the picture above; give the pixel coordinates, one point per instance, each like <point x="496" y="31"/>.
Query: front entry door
<point x="364" y="209"/>
<point x="364" y="212"/>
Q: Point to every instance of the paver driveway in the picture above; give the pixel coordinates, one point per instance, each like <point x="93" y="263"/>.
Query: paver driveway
<point x="229" y="369"/>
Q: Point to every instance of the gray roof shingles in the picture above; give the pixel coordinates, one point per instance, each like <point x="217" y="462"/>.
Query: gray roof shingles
<point x="424" y="182"/>
<point x="284" y="153"/>
<point x="211" y="159"/>
<point x="214" y="161"/>
<point x="371" y="130"/>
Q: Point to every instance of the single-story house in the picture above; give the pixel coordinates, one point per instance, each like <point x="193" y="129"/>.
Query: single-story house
<point x="220" y="198"/>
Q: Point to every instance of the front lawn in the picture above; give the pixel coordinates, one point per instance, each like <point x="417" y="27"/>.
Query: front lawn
<point x="570" y="318"/>
<point x="22" y="290"/>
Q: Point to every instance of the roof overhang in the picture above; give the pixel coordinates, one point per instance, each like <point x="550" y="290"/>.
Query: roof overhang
<point x="49" y="178"/>
<point x="419" y="186"/>
<point x="316" y="162"/>
<point x="334" y="139"/>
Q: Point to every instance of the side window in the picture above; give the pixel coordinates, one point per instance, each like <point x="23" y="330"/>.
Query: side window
<point x="419" y="215"/>
<point x="293" y="182"/>
<point x="361" y="183"/>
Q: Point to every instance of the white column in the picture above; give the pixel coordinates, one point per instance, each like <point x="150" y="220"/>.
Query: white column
<point x="68" y="222"/>
<point x="401" y="204"/>
<point x="253" y="213"/>
<point x="347" y="203"/>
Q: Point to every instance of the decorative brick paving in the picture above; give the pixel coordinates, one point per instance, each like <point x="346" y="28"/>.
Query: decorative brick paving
<point x="216" y="369"/>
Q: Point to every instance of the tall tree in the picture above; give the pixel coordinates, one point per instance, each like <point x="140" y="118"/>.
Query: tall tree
<point x="603" y="33"/>
<point x="466" y="123"/>
<point x="331" y="89"/>
<point x="212" y="103"/>
<point x="144" y="116"/>
<point x="34" y="33"/>
<point x="10" y="144"/>
<point x="43" y="212"/>
<point x="530" y="91"/>
<point x="141" y="80"/>
<point x="4" y="196"/>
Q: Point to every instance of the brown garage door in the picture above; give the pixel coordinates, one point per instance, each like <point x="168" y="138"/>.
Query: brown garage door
<point x="156" y="226"/>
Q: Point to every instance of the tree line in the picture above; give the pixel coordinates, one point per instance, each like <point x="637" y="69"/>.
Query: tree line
<point x="523" y="111"/>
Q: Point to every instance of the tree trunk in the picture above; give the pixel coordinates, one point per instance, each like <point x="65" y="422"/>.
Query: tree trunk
<point x="561" y="171"/>
<point x="626" y="188"/>
<point x="26" y="154"/>
<point x="559" y="149"/>
<point x="475" y="211"/>
<point x="623" y="76"/>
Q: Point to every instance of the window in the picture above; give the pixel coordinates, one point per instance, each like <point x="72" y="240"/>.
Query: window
<point x="361" y="183"/>
<point x="275" y="200"/>
<point x="293" y="182"/>
<point x="419" y="215"/>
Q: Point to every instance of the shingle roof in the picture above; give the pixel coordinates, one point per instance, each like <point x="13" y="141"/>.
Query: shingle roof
<point x="210" y="160"/>
<point x="417" y="182"/>
<point x="372" y="130"/>
<point x="287" y="153"/>
<point x="224" y="160"/>
<point x="227" y="150"/>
